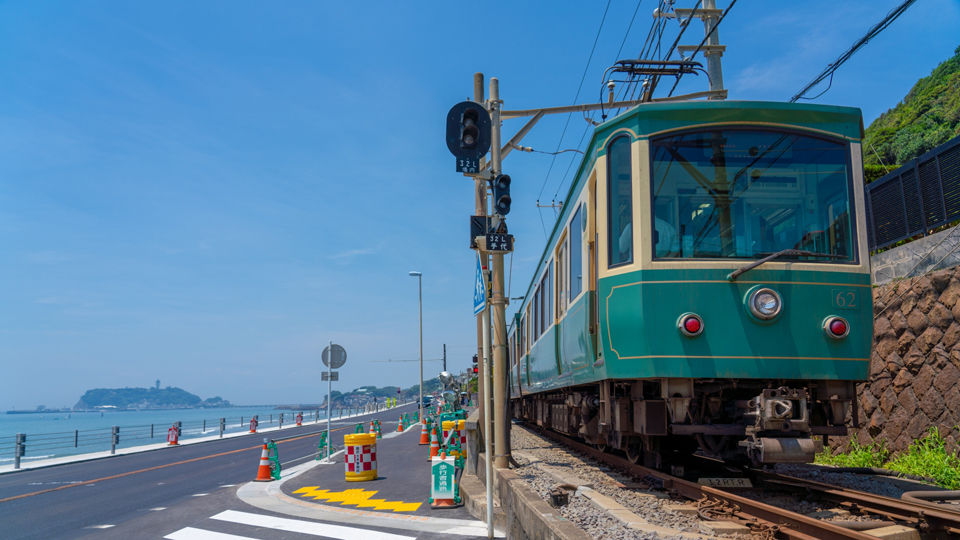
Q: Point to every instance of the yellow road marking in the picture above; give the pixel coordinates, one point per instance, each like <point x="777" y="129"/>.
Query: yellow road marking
<point x="356" y="497"/>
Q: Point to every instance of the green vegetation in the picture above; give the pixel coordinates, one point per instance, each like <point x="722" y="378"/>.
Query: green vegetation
<point x="145" y="398"/>
<point x="927" y="457"/>
<point x="874" y="454"/>
<point x="928" y="116"/>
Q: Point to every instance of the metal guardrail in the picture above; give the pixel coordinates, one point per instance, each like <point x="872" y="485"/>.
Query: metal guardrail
<point x="24" y="445"/>
<point x="920" y="196"/>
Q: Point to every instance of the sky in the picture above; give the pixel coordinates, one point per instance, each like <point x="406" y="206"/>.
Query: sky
<point x="209" y="193"/>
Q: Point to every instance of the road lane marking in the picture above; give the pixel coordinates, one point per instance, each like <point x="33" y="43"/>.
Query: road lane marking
<point x="189" y="533"/>
<point x="148" y="469"/>
<point x="357" y="497"/>
<point x="104" y="526"/>
<point x="158" y="508"/>
<point x="305" y="527"/>
<point x="199" y="494"/>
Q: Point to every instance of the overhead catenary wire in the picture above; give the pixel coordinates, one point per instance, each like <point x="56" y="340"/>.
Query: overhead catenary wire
<point x="623" y="41"/>
<point x="872" y="33"/>
<point x="577" y="96"/>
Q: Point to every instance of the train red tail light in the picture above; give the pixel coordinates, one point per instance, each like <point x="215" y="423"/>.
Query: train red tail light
<point x="690" y="324"/>
<point x="836" y="327"/>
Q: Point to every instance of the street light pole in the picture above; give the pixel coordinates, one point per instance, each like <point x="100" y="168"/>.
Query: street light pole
<point x="419" y="277"/>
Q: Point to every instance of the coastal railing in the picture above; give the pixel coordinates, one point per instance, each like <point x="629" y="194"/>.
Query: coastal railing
<point x="49" y="445"/>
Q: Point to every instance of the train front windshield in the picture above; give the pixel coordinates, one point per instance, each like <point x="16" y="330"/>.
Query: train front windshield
<point x="744" y="194"/>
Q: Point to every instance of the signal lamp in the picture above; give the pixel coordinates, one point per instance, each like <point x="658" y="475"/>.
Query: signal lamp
<point x="765" y="303"/>
<point x="836" y="327"/>
<point x="501" y="194"/>
<point x="469" y="132"/>
<point x="475" y="370"/>
<point x="690" y="324"/>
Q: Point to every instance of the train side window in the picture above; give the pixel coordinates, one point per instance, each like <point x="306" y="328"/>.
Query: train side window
<point x="529" y="332"/>
<point x="536" y="315"/>
<point x="576" y="255"/>
<point x="619" y="203"/>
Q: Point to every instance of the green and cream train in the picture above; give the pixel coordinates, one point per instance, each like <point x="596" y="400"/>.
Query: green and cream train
<point x="706" y="286"/>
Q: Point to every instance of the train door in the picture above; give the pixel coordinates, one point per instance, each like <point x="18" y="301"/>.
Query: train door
<point x="591" y="217"/>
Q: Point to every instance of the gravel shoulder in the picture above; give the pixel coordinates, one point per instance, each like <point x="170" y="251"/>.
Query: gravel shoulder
<point x="539" y="462"/>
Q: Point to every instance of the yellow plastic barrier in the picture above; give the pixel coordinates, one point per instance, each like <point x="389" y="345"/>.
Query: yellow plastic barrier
<point x="360" y="457"/>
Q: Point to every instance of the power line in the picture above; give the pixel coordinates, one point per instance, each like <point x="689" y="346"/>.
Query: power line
<point x="580" y="87"/>
<point x="828" y="71"/>
<point x="626" y="34"/>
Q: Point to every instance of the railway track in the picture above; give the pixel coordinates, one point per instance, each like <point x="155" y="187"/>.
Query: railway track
<point x="772" y="521"/>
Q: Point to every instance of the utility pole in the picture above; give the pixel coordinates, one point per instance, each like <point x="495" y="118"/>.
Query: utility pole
<point x="444" y="356"/>
<point x="711" y="48"/>
<point x="480" y="209"/>
<point x="498" y="303"/>
<point x="483" y="334"/>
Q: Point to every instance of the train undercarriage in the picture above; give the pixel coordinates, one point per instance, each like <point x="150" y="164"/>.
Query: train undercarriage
<point x="654" y="420"/>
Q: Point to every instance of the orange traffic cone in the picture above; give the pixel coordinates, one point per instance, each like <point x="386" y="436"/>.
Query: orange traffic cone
<point x="263" y="472"/>
<point x="434" y="446"/>
<point x="424" y="436"/>
<point x="373" y="427"/>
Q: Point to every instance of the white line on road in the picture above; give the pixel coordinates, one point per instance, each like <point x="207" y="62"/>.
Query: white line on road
<point x="305" y="527"/>
<point x="189" y="533"/>
<point x="199" y="494"/>
<point x="227" y="485"/>
<point x="158" y="508"/>
<point x="105" y="526"/>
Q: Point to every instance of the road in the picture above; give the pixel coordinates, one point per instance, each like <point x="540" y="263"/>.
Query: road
<point x="76" y="499"/>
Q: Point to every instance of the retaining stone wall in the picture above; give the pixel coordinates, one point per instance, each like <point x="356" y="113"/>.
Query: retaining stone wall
<point x="914" y="380"/>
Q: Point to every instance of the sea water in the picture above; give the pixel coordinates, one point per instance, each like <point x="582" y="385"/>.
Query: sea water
<point x="55" y="434"/>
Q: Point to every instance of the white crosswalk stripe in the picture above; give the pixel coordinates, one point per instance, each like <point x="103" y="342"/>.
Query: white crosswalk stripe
<point x="281" y="524"/>
<point x="189" y="533"/>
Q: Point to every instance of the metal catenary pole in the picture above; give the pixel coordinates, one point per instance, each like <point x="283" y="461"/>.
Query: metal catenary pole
<point x="498" y="303"/>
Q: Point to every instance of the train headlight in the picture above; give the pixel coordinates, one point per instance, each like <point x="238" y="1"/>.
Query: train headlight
<point x="836" y="327"/>
<point x="690" y="324"/>
<point x="765" y="303"/>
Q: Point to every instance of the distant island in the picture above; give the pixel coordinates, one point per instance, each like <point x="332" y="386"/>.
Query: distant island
<point x="170" y="397"/>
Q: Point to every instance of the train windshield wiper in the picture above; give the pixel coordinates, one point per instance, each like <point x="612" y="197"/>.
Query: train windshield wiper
<point x="783" y="252"/>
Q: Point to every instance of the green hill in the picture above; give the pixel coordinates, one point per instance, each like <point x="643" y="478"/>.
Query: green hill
<point x="929" y="115"/>
<point x="145" y="398"/>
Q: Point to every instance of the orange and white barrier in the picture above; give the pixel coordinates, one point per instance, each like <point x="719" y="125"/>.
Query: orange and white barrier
<point x="299" y="419"/>
<point x="173" y="435"/>
<point x="360" y="457"/>
<point x="263" y="471"/>
<point x="253" y="424"/>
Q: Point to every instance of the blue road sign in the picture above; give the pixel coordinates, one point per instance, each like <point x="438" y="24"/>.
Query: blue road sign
<point x="479" y="290"/>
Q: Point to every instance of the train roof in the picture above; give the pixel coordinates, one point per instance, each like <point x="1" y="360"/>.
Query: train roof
<point x="649" y="119"/>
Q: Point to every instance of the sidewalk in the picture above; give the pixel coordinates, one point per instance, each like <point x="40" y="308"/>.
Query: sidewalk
<point x="397" y="499"/>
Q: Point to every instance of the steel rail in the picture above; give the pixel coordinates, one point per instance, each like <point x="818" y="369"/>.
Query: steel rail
<point x="925" y="516"/>
<point x="784" y="522"/>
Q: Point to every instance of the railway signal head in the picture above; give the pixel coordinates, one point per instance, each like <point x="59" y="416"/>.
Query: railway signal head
<point x="468" y="134"/>
<point x="501" y="194"/>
